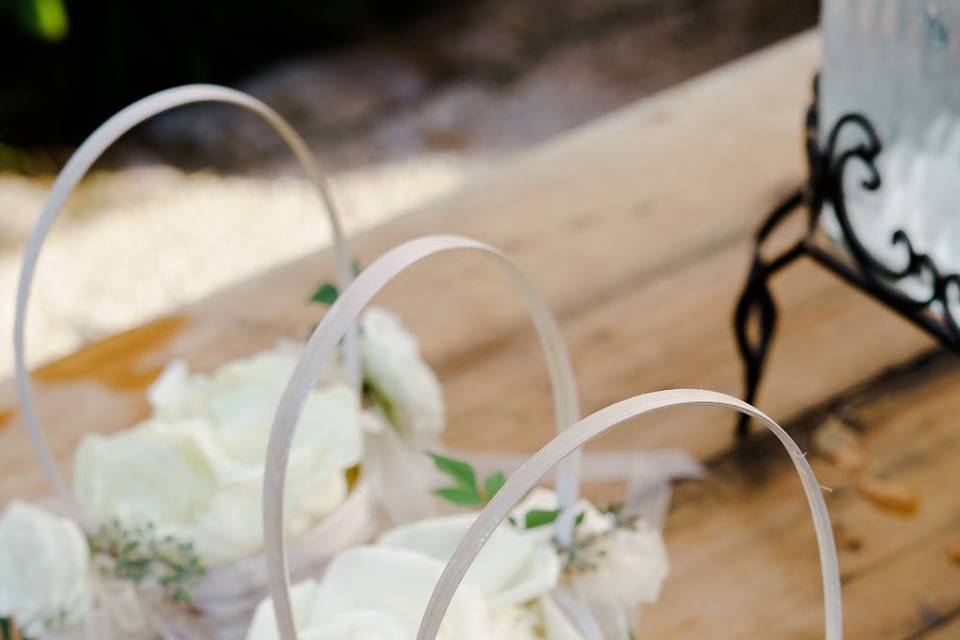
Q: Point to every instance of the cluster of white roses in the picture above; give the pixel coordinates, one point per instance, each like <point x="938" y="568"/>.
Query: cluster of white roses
<point x="193" y="470"/>
<point x="380" y="592"/>
<point x="193" y="473"/>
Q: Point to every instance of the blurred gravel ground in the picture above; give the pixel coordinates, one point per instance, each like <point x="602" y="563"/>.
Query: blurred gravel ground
<point x="138" y="242"/>
<point x="398" y="120"/>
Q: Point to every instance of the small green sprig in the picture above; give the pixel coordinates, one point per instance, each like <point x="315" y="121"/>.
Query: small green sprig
<point x="620" y="517"/>
<point x="139" y="553"/>
<point x="573" y="558"/>
<point x="327" y="293"/>
<point x="466" y="491"/>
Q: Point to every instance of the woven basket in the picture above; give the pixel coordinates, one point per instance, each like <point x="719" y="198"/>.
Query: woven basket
<point x="562" y="453"/>
<point x="227" y="595"/>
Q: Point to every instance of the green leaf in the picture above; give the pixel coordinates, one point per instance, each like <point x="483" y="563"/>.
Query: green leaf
<point x="462" y="473"/>
<point x="467" y="497"/>
<point x="493" y="484"/>
<point x="538" y="517"/>
<point x="326" y="294"/>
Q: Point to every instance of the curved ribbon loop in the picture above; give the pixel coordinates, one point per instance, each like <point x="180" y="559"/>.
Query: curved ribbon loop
<point x="320" y="349"/>
<point x="572" y="439"/>
<point x="77" y="167"/>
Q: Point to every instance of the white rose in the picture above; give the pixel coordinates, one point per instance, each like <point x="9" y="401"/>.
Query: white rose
<point x="146" y="475"/>
<point x="628" y="563"/>
<point x="515" y="572"/>
<point x="44" y="573"/>
<point x="505" y="596"/>
<point x="393" y="366"/>
<point x="616" y="569"/>
<point x="512" y="568"/>
<point x="375" y="593"/>
<point x="542" y="619"/>
<point x="195" y="470"/>
<point x="592" y="521"/>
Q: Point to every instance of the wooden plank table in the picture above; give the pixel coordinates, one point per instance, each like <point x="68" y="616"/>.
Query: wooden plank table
<point x="636" y="228"/>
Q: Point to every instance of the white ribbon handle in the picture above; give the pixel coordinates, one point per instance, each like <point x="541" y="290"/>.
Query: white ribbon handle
<point x="321" y="347"/>
<point x="75" y="169"/>
<point x="572" y="439"/>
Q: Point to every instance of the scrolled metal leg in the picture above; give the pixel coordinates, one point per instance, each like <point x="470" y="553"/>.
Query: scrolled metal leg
<point x="756" y="303"/>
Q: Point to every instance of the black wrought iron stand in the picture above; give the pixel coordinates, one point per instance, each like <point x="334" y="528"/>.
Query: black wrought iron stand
<point x="825" y="188"/>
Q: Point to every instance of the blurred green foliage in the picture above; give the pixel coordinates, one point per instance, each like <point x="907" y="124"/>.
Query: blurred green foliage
<point x="69" y="64"/>
<point x="43" y="19"/>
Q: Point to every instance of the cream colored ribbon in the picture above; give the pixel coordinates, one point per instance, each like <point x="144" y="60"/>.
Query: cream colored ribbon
<point x="223" y="602"/>
<point x="645" y="474"/>
<point x="122" y="610"/>
<point x="394" y="463"/>
<point x="229" y="594"/>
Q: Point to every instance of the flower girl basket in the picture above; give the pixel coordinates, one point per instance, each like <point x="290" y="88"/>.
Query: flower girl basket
<point x="562" y="453"/>
<point x="227" y="595"/>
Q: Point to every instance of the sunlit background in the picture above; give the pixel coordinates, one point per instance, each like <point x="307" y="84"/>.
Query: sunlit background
<point x="402" y="100"/>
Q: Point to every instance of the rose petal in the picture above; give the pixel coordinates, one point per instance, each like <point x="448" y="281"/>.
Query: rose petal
<point x="398" y="583"/>
<point x="393" y="365"/>
<point x="44" y="581"/>
<point x="512" y="568"/>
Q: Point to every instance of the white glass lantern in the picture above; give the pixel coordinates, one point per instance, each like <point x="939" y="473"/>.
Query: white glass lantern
<point x="883" y="143"/>
<point x="897" y="63"/>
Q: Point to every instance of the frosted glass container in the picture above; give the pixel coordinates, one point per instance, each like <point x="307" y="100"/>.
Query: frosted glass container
<point x="898" y="63"/>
